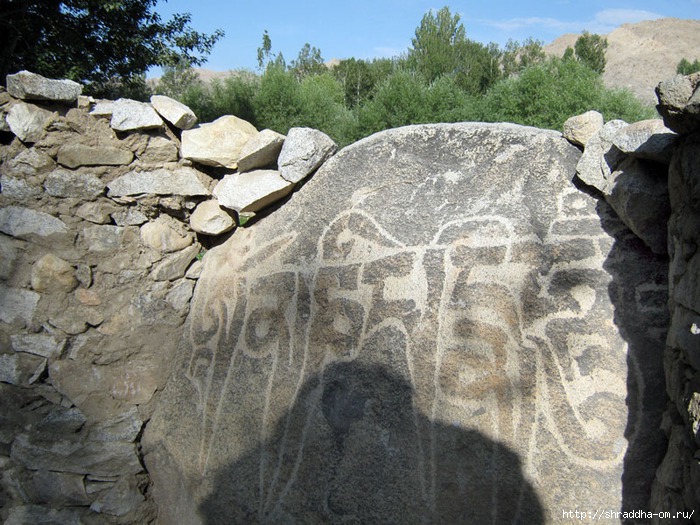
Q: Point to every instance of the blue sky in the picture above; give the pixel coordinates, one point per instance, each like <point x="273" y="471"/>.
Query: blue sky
<point x="381" y="28"/>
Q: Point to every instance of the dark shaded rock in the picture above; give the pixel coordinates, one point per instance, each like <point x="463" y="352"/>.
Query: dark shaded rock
<point x="679" y="102"/>
<point x="30" y="86"/>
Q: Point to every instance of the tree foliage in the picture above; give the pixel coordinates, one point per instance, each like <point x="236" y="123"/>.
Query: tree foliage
<point x="359" y="78"/>
<point x="590" y="50"/>
<point x="547" y="94"/>
<point x="516" y="57"/>
<point x="685" y="67"/>
<point x="101" y="43"/>
<point x="308" y="62"/>
<point x="440" y="47"/>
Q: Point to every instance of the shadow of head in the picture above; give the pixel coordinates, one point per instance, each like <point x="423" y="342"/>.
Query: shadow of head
<point x="352" y="449"/>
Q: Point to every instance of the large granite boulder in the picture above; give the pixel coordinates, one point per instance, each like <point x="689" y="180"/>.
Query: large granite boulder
<point x="438" y="328"/>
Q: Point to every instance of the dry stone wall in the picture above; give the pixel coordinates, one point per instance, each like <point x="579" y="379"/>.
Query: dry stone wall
<point x="677" y="485"/>
<point x="515" y="315"/>
<point x="103" y="224"/>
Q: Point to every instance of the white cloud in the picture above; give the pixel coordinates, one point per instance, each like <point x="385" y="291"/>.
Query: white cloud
<point x="513" y="24"/>
<point x="607" y="20"/>
<point x="602" y="22"/>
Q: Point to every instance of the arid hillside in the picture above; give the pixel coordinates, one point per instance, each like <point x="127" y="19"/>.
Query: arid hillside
<point x="641" y="55"/>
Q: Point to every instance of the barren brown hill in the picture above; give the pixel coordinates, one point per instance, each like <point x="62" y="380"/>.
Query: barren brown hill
<point x="641" y="55"/>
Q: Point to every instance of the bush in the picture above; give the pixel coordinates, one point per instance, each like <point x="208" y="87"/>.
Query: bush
<point x="234" y="95"/>
<point x="323" y="107"/>
<point x="278" y="102"/>
<point x="685" y="67"/>
<point x="546" y="95"/>
<point x="398" y="101"/>
<point x="622" y="104"/>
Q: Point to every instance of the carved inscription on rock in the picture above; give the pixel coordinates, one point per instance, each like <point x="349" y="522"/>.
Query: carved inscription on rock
<point x="426" y="333"/>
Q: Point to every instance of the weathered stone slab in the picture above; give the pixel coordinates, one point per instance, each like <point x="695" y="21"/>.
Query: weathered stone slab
<point x="102" y="388"/>
<point x="44" y="345"/>
<point x="177" y="113"/>
<point x="601" y="157"/>
<point x="19" y="189"/>
<point x="251" y="191"/>
<point x="160" y="150"/>
<point x="123" y="427"/>
<point x="131" y="115"/>
<point x="75" y="155"/>
<point x="103" y="108"/>
<point x="21" y="369"/>
<point x="217" y="143"/>
<point x="28" y="224"/>
<point x="97" y="212"/>
<point x="42" y="515"/>
<point x="261" y="151"/>
<point x="423" y="334"/>
<point x="70" y="184"/>
<point x="30" y="86"/>
<point x="165" y="235"/>
<point x="27" y="121"/>
<point x="28" y="163"/>
<point x="10" y="251"/>
<point x="182" y="181"/>
<point x="304" y="150"/>
<point x="646" y="139"/>
<point x="17" y="304"/>
<point x="75" y="456"/>
<point x="60" y="489"/>
<point x="103" y="238"/>
<point x="129" y="217"/>
<point x="174" y="266"/>
<point x="120" y="499"/>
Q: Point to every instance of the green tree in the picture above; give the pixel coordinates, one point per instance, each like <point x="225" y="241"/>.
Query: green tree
<point x="685" y="67"/>
<point x="177" y="80"/>
<point x="359" y="78"/>
<point x="266" y="58"/>
<point x="101" y="43"/>
<point x="308" y="62"/>
<point x="590" y="50"/>
<point x="516" y="57"/>
<point x="440" y="47"/>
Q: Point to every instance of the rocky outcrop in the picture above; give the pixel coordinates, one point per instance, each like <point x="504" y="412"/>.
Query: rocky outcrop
<point x="102" y="230"/>
<point x="439" y="328"/>
<point x="678" y="478"/>
<point x="628" y="164"/>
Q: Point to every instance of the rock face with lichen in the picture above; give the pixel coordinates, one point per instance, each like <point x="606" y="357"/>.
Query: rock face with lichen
<point x="439" y="328"/>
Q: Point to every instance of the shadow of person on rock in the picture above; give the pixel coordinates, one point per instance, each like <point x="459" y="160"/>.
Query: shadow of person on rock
<point x="352" y="449"/>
